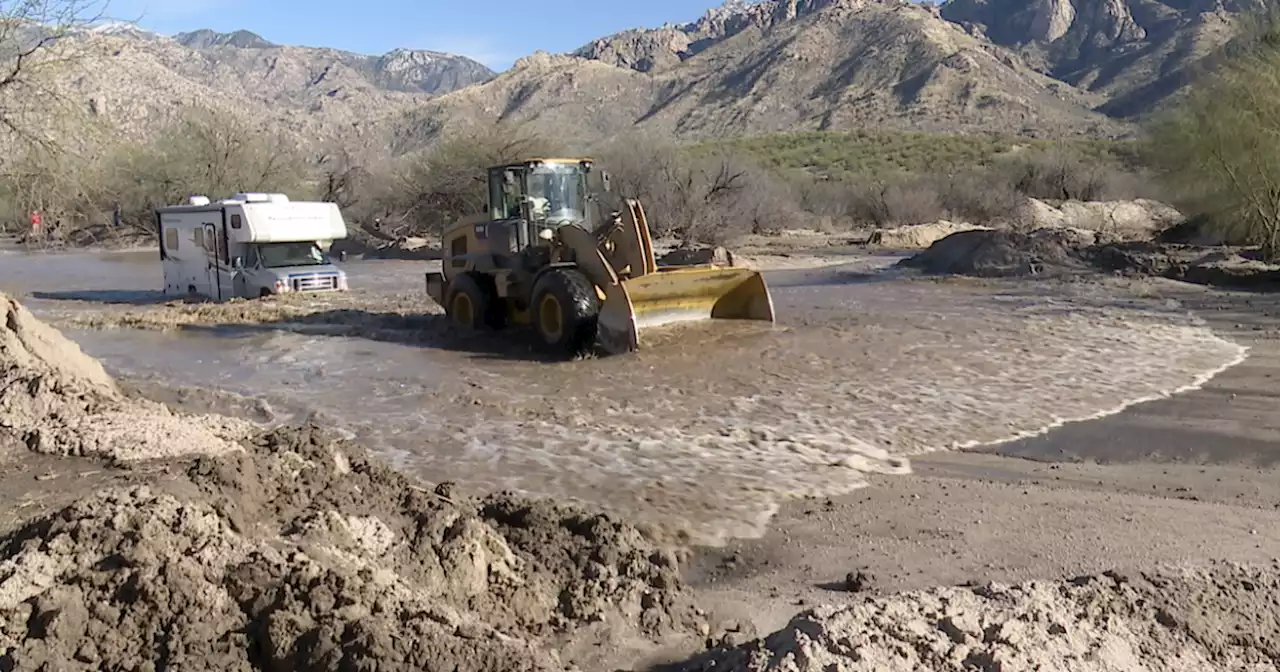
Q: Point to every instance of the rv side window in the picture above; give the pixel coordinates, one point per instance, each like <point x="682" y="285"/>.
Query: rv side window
<point x="171" y="239"/>
<point x="235" y="221"/>
<point x="199" y="237"/>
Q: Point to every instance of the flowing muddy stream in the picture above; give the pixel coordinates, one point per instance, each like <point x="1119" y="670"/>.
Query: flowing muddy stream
<point x="707" y="429"/>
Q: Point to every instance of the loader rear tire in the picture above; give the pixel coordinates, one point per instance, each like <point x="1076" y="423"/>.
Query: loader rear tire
<point x="565" y="311"/>
<point x="472" y="302"/>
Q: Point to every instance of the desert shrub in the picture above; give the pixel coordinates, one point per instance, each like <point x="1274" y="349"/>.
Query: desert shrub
<point x="1063" y="173"/>
<point x="980" y="196"/>
<point x="710" y="197"/>
<point x="878" y="154"/>
<point x="896" y="203"/>
<point x="61" y="186"/>
<point x="825" y="199"/>
<point x="1219" y="149"/>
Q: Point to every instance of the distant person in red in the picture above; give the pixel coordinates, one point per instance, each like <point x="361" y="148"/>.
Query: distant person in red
<point x="36" y="221"/>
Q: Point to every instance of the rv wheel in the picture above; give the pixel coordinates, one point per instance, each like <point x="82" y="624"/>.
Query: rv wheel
<point x="472" y="301"/>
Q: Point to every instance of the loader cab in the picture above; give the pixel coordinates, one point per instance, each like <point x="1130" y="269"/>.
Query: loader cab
<point x="543" y="193"/>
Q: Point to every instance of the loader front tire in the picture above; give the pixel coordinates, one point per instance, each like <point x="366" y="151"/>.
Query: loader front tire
<point x="472" y="302"/>
<point x="565" y="311"/>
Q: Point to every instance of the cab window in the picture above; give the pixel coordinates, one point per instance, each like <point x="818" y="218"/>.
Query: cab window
<point x="504" y="194"/>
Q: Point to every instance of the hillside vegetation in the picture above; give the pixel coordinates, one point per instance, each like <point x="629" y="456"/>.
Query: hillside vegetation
<point x="706" y="192"/>
<point x="876" y="154"/>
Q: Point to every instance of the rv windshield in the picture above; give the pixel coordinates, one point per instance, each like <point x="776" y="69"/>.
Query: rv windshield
<point x="280" y="255"/>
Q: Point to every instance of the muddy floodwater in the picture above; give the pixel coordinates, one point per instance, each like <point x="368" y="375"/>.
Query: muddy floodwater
<point x="703" y="432"/>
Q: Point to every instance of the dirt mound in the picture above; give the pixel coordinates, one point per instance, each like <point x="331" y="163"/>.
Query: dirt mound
<point x="29" y="344"/>
<point x="1139" y="219"/>
<point x="994" y="253"/>
<point x="1215" y="618"/>
<point x="918" y="236"/>
<point x="301" y="553"/>
<point x="1222" y="267"/>
<point x="1062" y="251"/>
<point x="56" y="399"/>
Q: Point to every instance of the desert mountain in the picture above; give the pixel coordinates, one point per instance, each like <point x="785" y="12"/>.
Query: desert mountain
<point x="779" y="65"/>
<point x="1137" y="53"/>
<point x="133" y="81"/>
<point x="1034" y="67"/>
<point x="411" y="71"/>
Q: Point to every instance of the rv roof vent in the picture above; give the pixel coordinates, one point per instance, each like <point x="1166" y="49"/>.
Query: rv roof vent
<point x="277" y="198"/>
<point x="252" y="198"/>
<point x="198" y="200"/>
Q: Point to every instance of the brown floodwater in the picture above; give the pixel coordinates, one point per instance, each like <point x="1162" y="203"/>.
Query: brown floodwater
<point x="708" y="428"/>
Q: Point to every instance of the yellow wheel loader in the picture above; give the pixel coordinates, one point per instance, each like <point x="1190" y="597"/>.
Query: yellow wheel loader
<point x="537" y="257"/>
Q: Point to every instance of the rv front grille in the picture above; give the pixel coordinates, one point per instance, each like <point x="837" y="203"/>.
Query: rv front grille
<point x="314" y="283"/>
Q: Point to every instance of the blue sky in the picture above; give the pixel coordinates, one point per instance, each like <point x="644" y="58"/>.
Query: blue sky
<point x="494" y="32"/>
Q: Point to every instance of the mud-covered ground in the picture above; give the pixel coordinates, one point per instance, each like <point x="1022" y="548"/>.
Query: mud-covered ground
<point x="1179" y="495"/>
<point x="201" y="542"/>
<point x="296" y="550"/>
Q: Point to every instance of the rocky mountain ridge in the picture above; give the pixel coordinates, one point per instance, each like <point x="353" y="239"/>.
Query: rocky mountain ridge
<point x="779" y="65"/>
<point x="1031" y="67"/>
<point x="1133" y="53"/>
<point x="1137" y="53"/>
<point x="406" y="70"/>
<point x="129" y="83"/>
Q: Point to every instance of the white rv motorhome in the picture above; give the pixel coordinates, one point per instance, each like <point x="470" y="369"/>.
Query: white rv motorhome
<point x="248" y="246"/>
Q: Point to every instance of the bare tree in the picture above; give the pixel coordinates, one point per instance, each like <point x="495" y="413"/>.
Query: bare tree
<point x="698" y="197"/>
<point x="58" y="185"/>
<point x="343" y="179"/>
<point x="205" y="152"/>
<point x="446" y="183"/>
<point x="37" y="47"/>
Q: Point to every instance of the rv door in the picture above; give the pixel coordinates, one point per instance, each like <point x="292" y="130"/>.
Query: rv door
<point x="212" y="261"/>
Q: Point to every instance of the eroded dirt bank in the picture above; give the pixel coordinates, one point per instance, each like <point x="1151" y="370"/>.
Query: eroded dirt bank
<point x="1220" y="617"/>
<point x="1179" y="497"/>
<point x="188" y="542"/>
<point x="228" y="547"/>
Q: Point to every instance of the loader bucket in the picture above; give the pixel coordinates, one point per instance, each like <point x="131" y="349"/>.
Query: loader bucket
<point x="680" y="295"/>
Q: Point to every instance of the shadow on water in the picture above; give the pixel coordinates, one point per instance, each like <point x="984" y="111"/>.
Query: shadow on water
<point x="834" y="276"/>
<point x="429" y="331"/>
<point x="130" y="297"/>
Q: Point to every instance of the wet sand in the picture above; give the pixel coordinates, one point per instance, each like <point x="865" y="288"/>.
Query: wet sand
<point x="1189" y="479"/>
